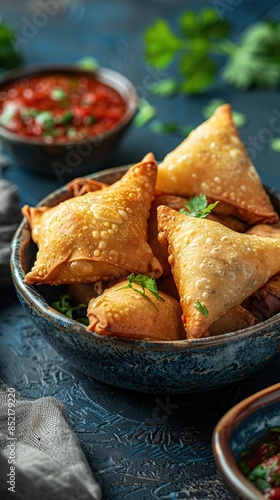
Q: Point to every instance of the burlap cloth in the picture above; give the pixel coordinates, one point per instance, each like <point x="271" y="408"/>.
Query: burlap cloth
<point x="37" y="438"/>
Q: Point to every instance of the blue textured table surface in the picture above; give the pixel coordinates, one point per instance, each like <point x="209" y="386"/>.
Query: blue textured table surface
<point x="139" y="446"/>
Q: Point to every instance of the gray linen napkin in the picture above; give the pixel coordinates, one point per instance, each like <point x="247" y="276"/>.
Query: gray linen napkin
<point x="40" y="456"/>
<point x="10" y="217"/>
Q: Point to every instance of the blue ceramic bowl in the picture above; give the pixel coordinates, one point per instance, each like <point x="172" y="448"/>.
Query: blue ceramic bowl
<point x="156" y="367"/>
<point x="72" y="158"/>
<point x="243" y="423"/>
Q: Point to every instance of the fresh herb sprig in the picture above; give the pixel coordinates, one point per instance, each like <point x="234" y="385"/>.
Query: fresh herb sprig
<point x="65" y="306"/>
<point x="240" y="119"/>
<point x="198" y="207"/>
<point x="204" y="48"/>
<point x="9" y="55"/>
<point x="201" y="308"/>
<point x="143" y="283"/>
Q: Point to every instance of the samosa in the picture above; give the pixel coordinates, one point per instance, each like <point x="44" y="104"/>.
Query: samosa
<point x="214" y="267"/>
<point x="97" y="236"/>
<point x="213" y="161"/>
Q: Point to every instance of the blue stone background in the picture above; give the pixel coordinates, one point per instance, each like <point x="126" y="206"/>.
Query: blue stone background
<point x="139" y="446"/>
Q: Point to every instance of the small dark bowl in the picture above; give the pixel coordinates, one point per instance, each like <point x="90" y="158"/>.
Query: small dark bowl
<point x="156" y="367"/>
<point x="74" y="158"/>
<point x="246" y="421"/>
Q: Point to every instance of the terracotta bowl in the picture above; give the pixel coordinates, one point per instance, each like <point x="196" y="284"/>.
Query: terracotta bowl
<point x="246" y="421"/>
<point x="73" y="158"/>
<point x="156" y="367"/>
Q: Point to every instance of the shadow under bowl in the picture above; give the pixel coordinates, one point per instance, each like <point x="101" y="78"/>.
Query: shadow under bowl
<point x="183" y="366"/>
<point x="245" y="422"/>
<point x="72" y="158"/>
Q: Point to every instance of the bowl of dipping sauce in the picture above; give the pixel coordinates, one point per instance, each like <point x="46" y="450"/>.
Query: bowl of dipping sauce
<point x="64" y="120"/>
<point x="246" y="446"/>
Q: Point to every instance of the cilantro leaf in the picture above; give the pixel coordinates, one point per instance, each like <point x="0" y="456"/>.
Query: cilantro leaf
<point x="251" y="61"/>
<point x="165" y="87"/>
<point x="201" y="308"/>
<point x="255" y="59"/>
<point x="199" y="72"/>
<point x="89" y="62"/>
<point x="171" y="128"/>
<point x="239" y="118"/>
<point x="65" y="306"/>
<point x="198" y="207"/>
<point x="9" y="55"/>
<point x="143" y="282"/>
<point x="206" y="22"/>
<point x="145" y="113"/>
<point x="161" y="44"/>
<point x="275" y="144"/>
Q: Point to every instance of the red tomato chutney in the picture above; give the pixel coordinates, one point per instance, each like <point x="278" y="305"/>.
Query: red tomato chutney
<point x="260" y="463"/>
<point x="59" y="108"/>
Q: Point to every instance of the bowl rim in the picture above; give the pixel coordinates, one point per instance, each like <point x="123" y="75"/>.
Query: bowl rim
<point x="222" y="433"/>
<point x="102" y="73"/>
<point x="31" y="294"/>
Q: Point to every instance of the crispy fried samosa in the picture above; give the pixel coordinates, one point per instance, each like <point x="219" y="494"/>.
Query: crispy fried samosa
<point x="265" y="302"/>
<point x="214" y="268"/>
<point x="97" y="236"/>
<point x="237" y="318"/>
<point x="268" y="230"/>
<point x="213" y="161"/>
<point x="160" y="251"/>
<point x="123" y="312"/>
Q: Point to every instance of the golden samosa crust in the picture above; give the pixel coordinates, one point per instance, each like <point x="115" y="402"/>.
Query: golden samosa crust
<point x="213" y="161"/>
<point x="214" y="268"/>
<point x="97" y="236"/>
<point x="236" y="319"/>
<point x="124" y="312"/>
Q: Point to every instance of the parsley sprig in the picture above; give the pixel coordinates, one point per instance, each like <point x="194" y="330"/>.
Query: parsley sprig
<point x="198" y="207"/>
<point x="203" y="49"/>
<point x="65" y="306"/>
<point x="144" y="283"/>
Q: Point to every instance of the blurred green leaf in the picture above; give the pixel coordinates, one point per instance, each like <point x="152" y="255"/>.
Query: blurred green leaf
<point x="254" y="61"/>
<point x="171" y="128"/>
<point x="88" y="63"/>
<point x="199" y="72"/>
<point x="240" y="119"/>
<point x="166" y="87"/>
<point x="275" y="144"/>
<point x="145" y="113"/>
<point x="161" y="44"/>
<point x="9" y="55"/>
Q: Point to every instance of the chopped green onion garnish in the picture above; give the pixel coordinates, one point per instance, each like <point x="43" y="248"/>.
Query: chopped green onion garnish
<point x="88" y="120"/>
<point x="8" y="114"/>
<point x="71" y="133"/>
<point x="45" y="119"/>
<point x="58" y="94"/>
<point x="29" y="112"/>
<point x="67" y="117"/>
